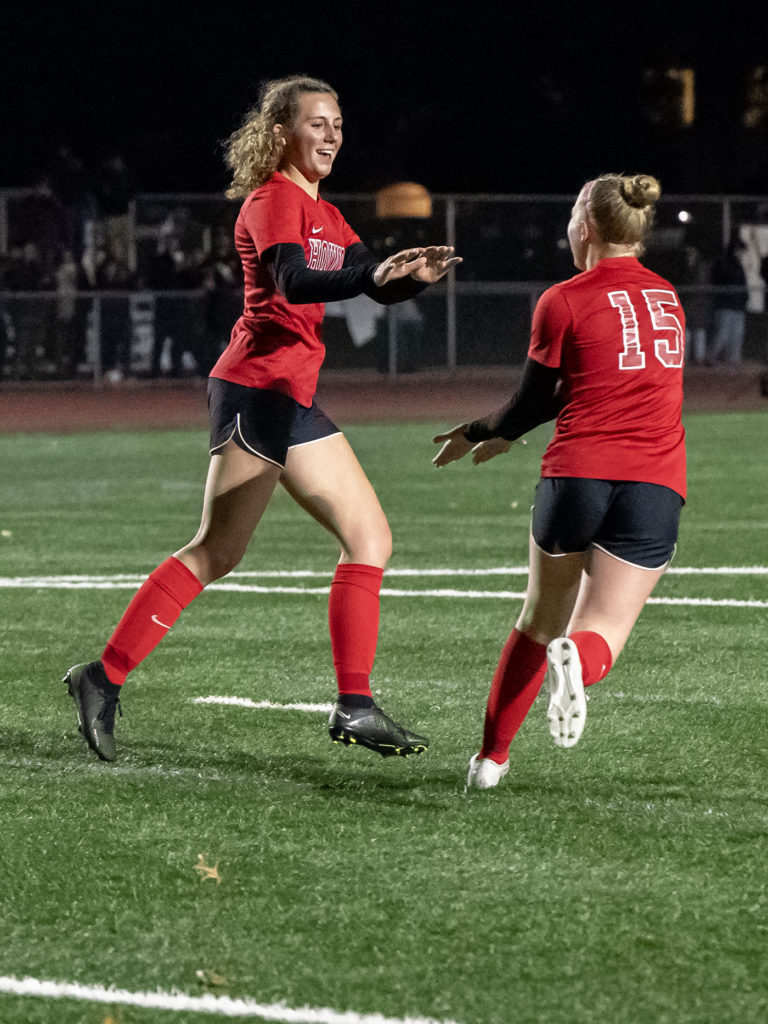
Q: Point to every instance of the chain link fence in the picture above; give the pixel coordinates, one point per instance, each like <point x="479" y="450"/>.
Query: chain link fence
<point x="168" y="311"/>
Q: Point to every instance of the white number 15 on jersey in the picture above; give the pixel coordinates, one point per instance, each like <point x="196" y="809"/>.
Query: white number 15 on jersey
<point x="669" y="349"/>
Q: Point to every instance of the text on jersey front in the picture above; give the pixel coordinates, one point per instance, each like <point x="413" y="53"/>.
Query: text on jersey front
<point x="325" y="255"/>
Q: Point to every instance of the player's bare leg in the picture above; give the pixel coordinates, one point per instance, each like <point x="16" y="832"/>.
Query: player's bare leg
<point x="554" y="583"/>
<point x="598" y="629"/>
<point x="572" y="602"/>
<point x="237" y="491"/>
<point x="326" y="479"/>
<point x="597" y="608"/>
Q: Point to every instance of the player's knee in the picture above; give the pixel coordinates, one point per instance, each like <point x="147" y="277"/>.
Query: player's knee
<point x="222" y="563"/>
<point x="385" y="545"/>
<point x="211" y="564"/>
<point x="370" y="547"/>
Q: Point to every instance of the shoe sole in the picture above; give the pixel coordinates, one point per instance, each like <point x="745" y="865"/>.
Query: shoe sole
<point x="73" y="693"/>
<point x="341" y="735"/>
<point x="567" y="709"/>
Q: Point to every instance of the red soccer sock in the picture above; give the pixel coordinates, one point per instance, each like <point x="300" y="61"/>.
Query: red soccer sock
<point x="594" y="654"/>
<point x="353" y="618"/>
<point x="516" y="681"/>
<point x="155" y="607"/>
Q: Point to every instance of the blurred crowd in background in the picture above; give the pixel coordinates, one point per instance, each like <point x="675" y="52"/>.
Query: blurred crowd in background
<point x="74" y="232"/>
<point x="86" y="285"/>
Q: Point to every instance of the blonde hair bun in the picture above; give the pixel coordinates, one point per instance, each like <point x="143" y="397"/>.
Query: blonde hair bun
<point x="621" y="207"/>
<point x="640" y="191"/>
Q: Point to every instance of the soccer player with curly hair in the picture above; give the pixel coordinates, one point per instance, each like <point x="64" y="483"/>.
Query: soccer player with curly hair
<point x="297" y="252"/>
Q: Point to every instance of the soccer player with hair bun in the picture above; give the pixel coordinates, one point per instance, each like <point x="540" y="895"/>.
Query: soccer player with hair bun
<point x="298" y="252"/>
<point x="606" y="358"/>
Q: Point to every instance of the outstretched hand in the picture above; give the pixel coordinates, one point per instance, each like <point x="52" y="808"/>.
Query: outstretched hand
<point x="439" y="260"/>
<point x="401" y="264"/>
<point x="425" y="264"/>
<point x="456" y="446"/>
<point x="489" y="449"/>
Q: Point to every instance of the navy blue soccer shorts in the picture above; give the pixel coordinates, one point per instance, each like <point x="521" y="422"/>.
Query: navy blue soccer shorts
<point x="262" y="422"/>
<point x="635" y="522"/>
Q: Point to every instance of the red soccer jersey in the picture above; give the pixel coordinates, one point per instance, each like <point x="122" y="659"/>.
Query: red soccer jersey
<point x="274" y="344"/>
<point x="617" y="333"/>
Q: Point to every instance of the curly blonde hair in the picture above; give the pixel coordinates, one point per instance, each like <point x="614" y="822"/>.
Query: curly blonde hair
<point x="252" y="152"/>
<point x="622" y="207"/>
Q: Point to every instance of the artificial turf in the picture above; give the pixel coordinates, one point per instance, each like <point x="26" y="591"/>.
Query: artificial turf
<point x="621" y="881"/>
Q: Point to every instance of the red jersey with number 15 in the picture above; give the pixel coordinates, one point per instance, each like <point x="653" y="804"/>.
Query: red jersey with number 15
<point x="274" y="344"/>
<point x="617" y="333"/>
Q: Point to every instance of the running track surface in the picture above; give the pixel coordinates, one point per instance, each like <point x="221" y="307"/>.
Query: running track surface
<point x="347" y="396"/>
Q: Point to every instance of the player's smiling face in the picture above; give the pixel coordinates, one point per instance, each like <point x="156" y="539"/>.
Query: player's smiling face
<point x="314" y="138"/>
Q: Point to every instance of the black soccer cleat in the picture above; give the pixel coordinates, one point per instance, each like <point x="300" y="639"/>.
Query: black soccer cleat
<point x="96" y="700"/>
<point x="371" y="728"/>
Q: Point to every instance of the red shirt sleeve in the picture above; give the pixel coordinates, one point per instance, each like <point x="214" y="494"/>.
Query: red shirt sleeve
<point x="278" y="213"/>
<point x="269" y="222"/>
<point x="551" y="321"/>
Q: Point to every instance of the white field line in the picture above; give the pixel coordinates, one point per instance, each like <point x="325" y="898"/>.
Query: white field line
<point x="135" y="579"/>
<point x="35" y="583"/>
<point x="267" y="705"/>
<point x="123" y="581"/>
<point x="707" y="602"/>
<point x="222" y="1006"/>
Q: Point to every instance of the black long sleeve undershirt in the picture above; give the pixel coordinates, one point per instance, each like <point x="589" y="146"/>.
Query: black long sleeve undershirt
<point x="536" y="401"/>
<point x="288" y="265"/>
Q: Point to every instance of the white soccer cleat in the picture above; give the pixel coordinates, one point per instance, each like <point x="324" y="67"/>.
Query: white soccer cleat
<point x="567" y="711"/>
<point x="485" y="773"/>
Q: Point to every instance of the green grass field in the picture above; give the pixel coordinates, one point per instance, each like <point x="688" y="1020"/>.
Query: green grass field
<point x="621" y="882"/>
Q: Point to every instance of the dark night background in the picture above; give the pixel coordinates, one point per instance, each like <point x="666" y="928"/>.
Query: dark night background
<point x="479" y="97"/>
